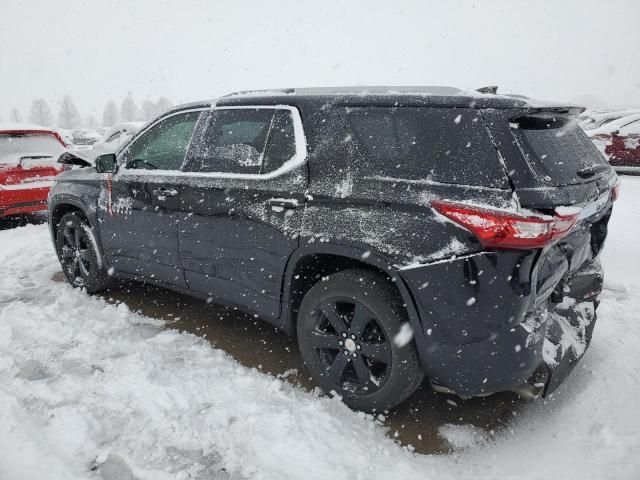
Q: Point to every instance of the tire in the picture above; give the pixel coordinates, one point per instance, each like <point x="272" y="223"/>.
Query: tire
<point x="78" y="254"/>
<point x="346" y="330"/>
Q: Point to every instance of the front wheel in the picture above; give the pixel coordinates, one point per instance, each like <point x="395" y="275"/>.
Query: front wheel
<point x="78" y="254"/>
<point x="347" y="326"/>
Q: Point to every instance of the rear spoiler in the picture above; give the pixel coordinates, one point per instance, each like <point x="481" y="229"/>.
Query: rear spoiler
<point x="35" y="156"/>
<point x="28" y="162"/>
<point x="543" y="115"/>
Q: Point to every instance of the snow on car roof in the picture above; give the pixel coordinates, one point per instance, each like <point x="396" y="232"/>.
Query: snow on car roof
<point x="22" y="126"/>
<point x="614" y="125"/>
<point x="382" y="95"/>
<point x="615" y="114"/>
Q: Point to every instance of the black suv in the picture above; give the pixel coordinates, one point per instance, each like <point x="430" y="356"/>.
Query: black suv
<point x="399" y="232"/>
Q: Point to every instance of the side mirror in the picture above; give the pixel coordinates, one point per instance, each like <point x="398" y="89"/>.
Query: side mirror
<point x="106" y="163"/>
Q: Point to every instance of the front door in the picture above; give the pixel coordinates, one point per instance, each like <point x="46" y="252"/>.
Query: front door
<point x="242" y="201"/>
<point x="139" y="221"/>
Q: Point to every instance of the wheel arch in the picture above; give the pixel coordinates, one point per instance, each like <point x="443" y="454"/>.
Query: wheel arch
<point x="307" y="266"/>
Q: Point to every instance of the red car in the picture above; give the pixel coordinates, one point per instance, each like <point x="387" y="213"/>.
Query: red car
<point x="620" y="142"/>
<point x="28" y="162"/>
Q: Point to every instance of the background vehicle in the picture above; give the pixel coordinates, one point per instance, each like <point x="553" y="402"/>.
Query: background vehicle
<point x="397" y="231"/>
<point x="65" y="134"/>
<point x="84" y="140"/>
<point x="595" y="120"/>
<point x="115" y="136"/>
<point x="28" y="155"/>
<point x="619" y="141"/>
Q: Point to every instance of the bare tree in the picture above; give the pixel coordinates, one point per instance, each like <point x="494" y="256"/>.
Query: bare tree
<point x="163" y="104"/>
<point x="40" y="113"/>
<point x="15" y="115"/>
<point x="91" y="121"/>
<point x="128" y="110"/>
<point x="68" y="117"/>
<point x="148" y="110"/>
<point x="110" y="114"/>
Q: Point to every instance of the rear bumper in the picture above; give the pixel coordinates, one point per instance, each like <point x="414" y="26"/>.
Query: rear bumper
<point x="20" y="201"/>
<point x="541" y="347"/>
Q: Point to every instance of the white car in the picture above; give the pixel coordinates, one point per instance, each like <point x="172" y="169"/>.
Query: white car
<point x="598" y="119"/>
<point x="114" y="137"/>
<point x="83" y="140"/>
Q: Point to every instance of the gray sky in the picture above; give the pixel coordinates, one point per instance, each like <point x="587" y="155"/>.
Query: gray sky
<point x="587" y="51"/>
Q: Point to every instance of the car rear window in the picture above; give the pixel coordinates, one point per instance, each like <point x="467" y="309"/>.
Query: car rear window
<point x="14" y="146"/>
<point x="448" y="145"/>
<point x="556" y="147"/>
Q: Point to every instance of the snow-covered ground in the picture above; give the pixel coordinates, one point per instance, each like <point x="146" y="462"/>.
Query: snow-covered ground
<point x="89" y="389"/>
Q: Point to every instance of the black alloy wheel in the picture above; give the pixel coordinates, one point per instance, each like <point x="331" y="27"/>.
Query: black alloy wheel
<point x="351" y="344"/>
<point x="78" y="254"/>
<point x="347" y="325"/>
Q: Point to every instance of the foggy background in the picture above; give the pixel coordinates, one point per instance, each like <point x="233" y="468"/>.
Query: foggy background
<point x="581" y="51"/>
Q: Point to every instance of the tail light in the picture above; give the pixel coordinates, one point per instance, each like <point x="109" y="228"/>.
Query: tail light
<point x="615" y="191"/>
<point x="500" y="229"/>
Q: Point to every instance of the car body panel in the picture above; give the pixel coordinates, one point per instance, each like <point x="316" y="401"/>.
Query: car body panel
<point x="26" y="174"/>
<point x="480" y="318"/>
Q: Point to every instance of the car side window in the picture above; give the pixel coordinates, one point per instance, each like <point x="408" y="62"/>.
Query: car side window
<point x="233" y="141"/>
<point x="281" y="146"/>
<point x="163" y="146"/>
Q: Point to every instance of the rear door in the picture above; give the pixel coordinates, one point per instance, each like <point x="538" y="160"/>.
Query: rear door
<point x="139" y="221"/>
<point x="242" y="203"/>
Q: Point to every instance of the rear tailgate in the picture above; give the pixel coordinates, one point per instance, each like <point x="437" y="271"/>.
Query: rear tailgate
<point x="553" y="165"/>
<point x="26" y="184"/>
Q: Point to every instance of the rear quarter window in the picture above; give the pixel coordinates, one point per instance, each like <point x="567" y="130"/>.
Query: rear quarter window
<point x="447" y="145"/>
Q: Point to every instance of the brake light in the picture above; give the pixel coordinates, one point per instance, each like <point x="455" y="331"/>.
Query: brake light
<point x="615" y="191"/>
<point x="500" y="229"/>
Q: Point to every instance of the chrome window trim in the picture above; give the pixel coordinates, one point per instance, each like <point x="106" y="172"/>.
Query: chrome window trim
<point x="294" y="162"/>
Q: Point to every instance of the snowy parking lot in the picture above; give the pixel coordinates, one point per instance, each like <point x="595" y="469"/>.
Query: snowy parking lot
<point x="91" y="389"/>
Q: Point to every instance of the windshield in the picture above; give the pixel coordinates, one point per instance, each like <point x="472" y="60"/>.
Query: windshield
<point x="14" y="146"/>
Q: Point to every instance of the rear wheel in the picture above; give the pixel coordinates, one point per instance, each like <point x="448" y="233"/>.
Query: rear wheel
<point x="78" y="254"/>
<point x="346" y="330"/>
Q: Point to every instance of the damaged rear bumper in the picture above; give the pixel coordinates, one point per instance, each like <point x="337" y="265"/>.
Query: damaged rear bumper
<point x="567" y="341"/>
<point x="534" y="356"/>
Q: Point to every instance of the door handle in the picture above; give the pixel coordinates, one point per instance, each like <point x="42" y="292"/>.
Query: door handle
<point x="165" y="192"/>
<point x="284" y="203"/>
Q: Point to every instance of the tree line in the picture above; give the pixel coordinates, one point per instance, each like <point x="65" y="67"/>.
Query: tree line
<point x="69" y="117"/>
